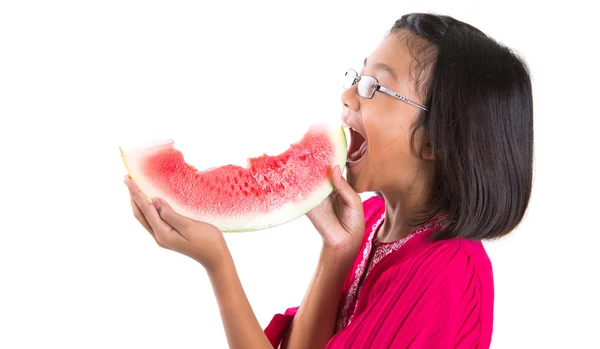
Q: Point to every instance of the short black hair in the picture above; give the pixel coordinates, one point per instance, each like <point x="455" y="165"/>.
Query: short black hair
<point x="479" y="123"/>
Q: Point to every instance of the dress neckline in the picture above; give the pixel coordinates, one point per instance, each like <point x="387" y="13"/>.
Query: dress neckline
<point x="436" y="221"/>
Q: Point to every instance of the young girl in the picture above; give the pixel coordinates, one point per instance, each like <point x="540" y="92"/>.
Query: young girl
<point x="441" y="123"/>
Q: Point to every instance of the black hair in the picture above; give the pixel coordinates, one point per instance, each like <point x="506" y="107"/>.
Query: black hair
<point x="479" y="125"/>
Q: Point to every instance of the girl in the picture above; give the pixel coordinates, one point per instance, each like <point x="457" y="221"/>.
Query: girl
<point x="441" y="123"/>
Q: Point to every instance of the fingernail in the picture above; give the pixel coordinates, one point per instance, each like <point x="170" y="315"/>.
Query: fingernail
<point x="157" y="204"/>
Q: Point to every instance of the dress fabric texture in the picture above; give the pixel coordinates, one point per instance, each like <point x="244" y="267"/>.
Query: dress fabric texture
<point x="410" y="293"/>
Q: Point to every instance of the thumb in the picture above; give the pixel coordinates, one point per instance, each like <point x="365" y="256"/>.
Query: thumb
<point x="344" y="189"/>
<point x="169" y="215"/>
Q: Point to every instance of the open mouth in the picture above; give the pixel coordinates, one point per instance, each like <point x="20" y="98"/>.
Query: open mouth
<point x="358" y="146"/>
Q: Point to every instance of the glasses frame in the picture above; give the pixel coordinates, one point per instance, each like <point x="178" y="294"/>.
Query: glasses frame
<point x="378" y="87"/>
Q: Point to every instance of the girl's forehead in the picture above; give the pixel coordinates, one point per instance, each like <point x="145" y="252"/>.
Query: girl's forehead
<point x="390" y="56"/>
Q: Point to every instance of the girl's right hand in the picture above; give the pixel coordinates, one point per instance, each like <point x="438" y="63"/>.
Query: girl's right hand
<point x="339" y="218"/>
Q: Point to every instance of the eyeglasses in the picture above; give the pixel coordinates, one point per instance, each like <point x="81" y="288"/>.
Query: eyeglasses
<point x="367" y="85"/>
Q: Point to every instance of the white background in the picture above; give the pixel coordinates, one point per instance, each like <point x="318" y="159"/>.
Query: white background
<point x="228" y="80"/>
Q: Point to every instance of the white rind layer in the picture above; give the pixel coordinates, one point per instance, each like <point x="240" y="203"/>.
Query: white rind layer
<point x="238" y="223"/>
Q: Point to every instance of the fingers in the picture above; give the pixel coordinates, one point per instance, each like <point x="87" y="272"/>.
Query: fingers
<point x="137" y="213"/>
<point x="163" y="232"/>
<point x="174" y="219"/>
<point x="343" y="189"/>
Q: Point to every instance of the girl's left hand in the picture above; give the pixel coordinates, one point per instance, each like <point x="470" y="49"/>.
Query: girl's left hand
<point x="200" y="241"/>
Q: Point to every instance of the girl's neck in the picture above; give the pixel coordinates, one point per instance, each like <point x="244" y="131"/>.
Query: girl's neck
<point x="401" y="217"/>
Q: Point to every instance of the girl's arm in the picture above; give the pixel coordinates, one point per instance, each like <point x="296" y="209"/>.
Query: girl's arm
<point x="340" y="221"/>
<point x="205" y="244"/>
<point x="241" y="326"/>
<point x="314" y="324"/>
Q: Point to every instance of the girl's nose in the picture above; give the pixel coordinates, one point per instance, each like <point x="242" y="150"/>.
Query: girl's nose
<point x="350" y="98"/>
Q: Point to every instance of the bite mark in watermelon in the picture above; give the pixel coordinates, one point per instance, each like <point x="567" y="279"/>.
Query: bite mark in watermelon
<point x="269" y="191"/>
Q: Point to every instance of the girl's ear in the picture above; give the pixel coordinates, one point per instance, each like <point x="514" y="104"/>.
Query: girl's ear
<point x="427" y="150"/>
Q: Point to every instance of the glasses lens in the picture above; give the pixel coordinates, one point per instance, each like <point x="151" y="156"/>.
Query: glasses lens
<point x="367" y="86"/>
<point x="349" y="78"/>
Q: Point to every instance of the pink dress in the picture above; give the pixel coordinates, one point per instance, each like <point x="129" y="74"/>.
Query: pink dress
<point x="413" y="294"/>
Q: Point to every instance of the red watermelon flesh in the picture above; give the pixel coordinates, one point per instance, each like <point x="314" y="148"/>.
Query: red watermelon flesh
<point x="271" y="190"/>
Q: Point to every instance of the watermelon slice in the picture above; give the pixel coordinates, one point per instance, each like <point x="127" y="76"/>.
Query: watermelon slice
<point x="270" y="191"/>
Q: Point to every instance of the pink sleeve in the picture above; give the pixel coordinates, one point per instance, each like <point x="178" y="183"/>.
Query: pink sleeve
<point x="435" y="300"/>
<point x="278" y="325"/>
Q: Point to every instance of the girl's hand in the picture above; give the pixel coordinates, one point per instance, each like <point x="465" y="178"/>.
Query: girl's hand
<point x="200" y="241"/>
<point x="339" y="218"/>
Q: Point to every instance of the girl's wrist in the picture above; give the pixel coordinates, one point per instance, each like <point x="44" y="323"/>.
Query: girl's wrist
<point x="341" y="253"/>
<point x="340" y="259"/>
<point x="221" y="262"/>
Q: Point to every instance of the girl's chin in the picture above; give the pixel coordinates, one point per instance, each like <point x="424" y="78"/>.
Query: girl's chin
<point x="353" y="179"/>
